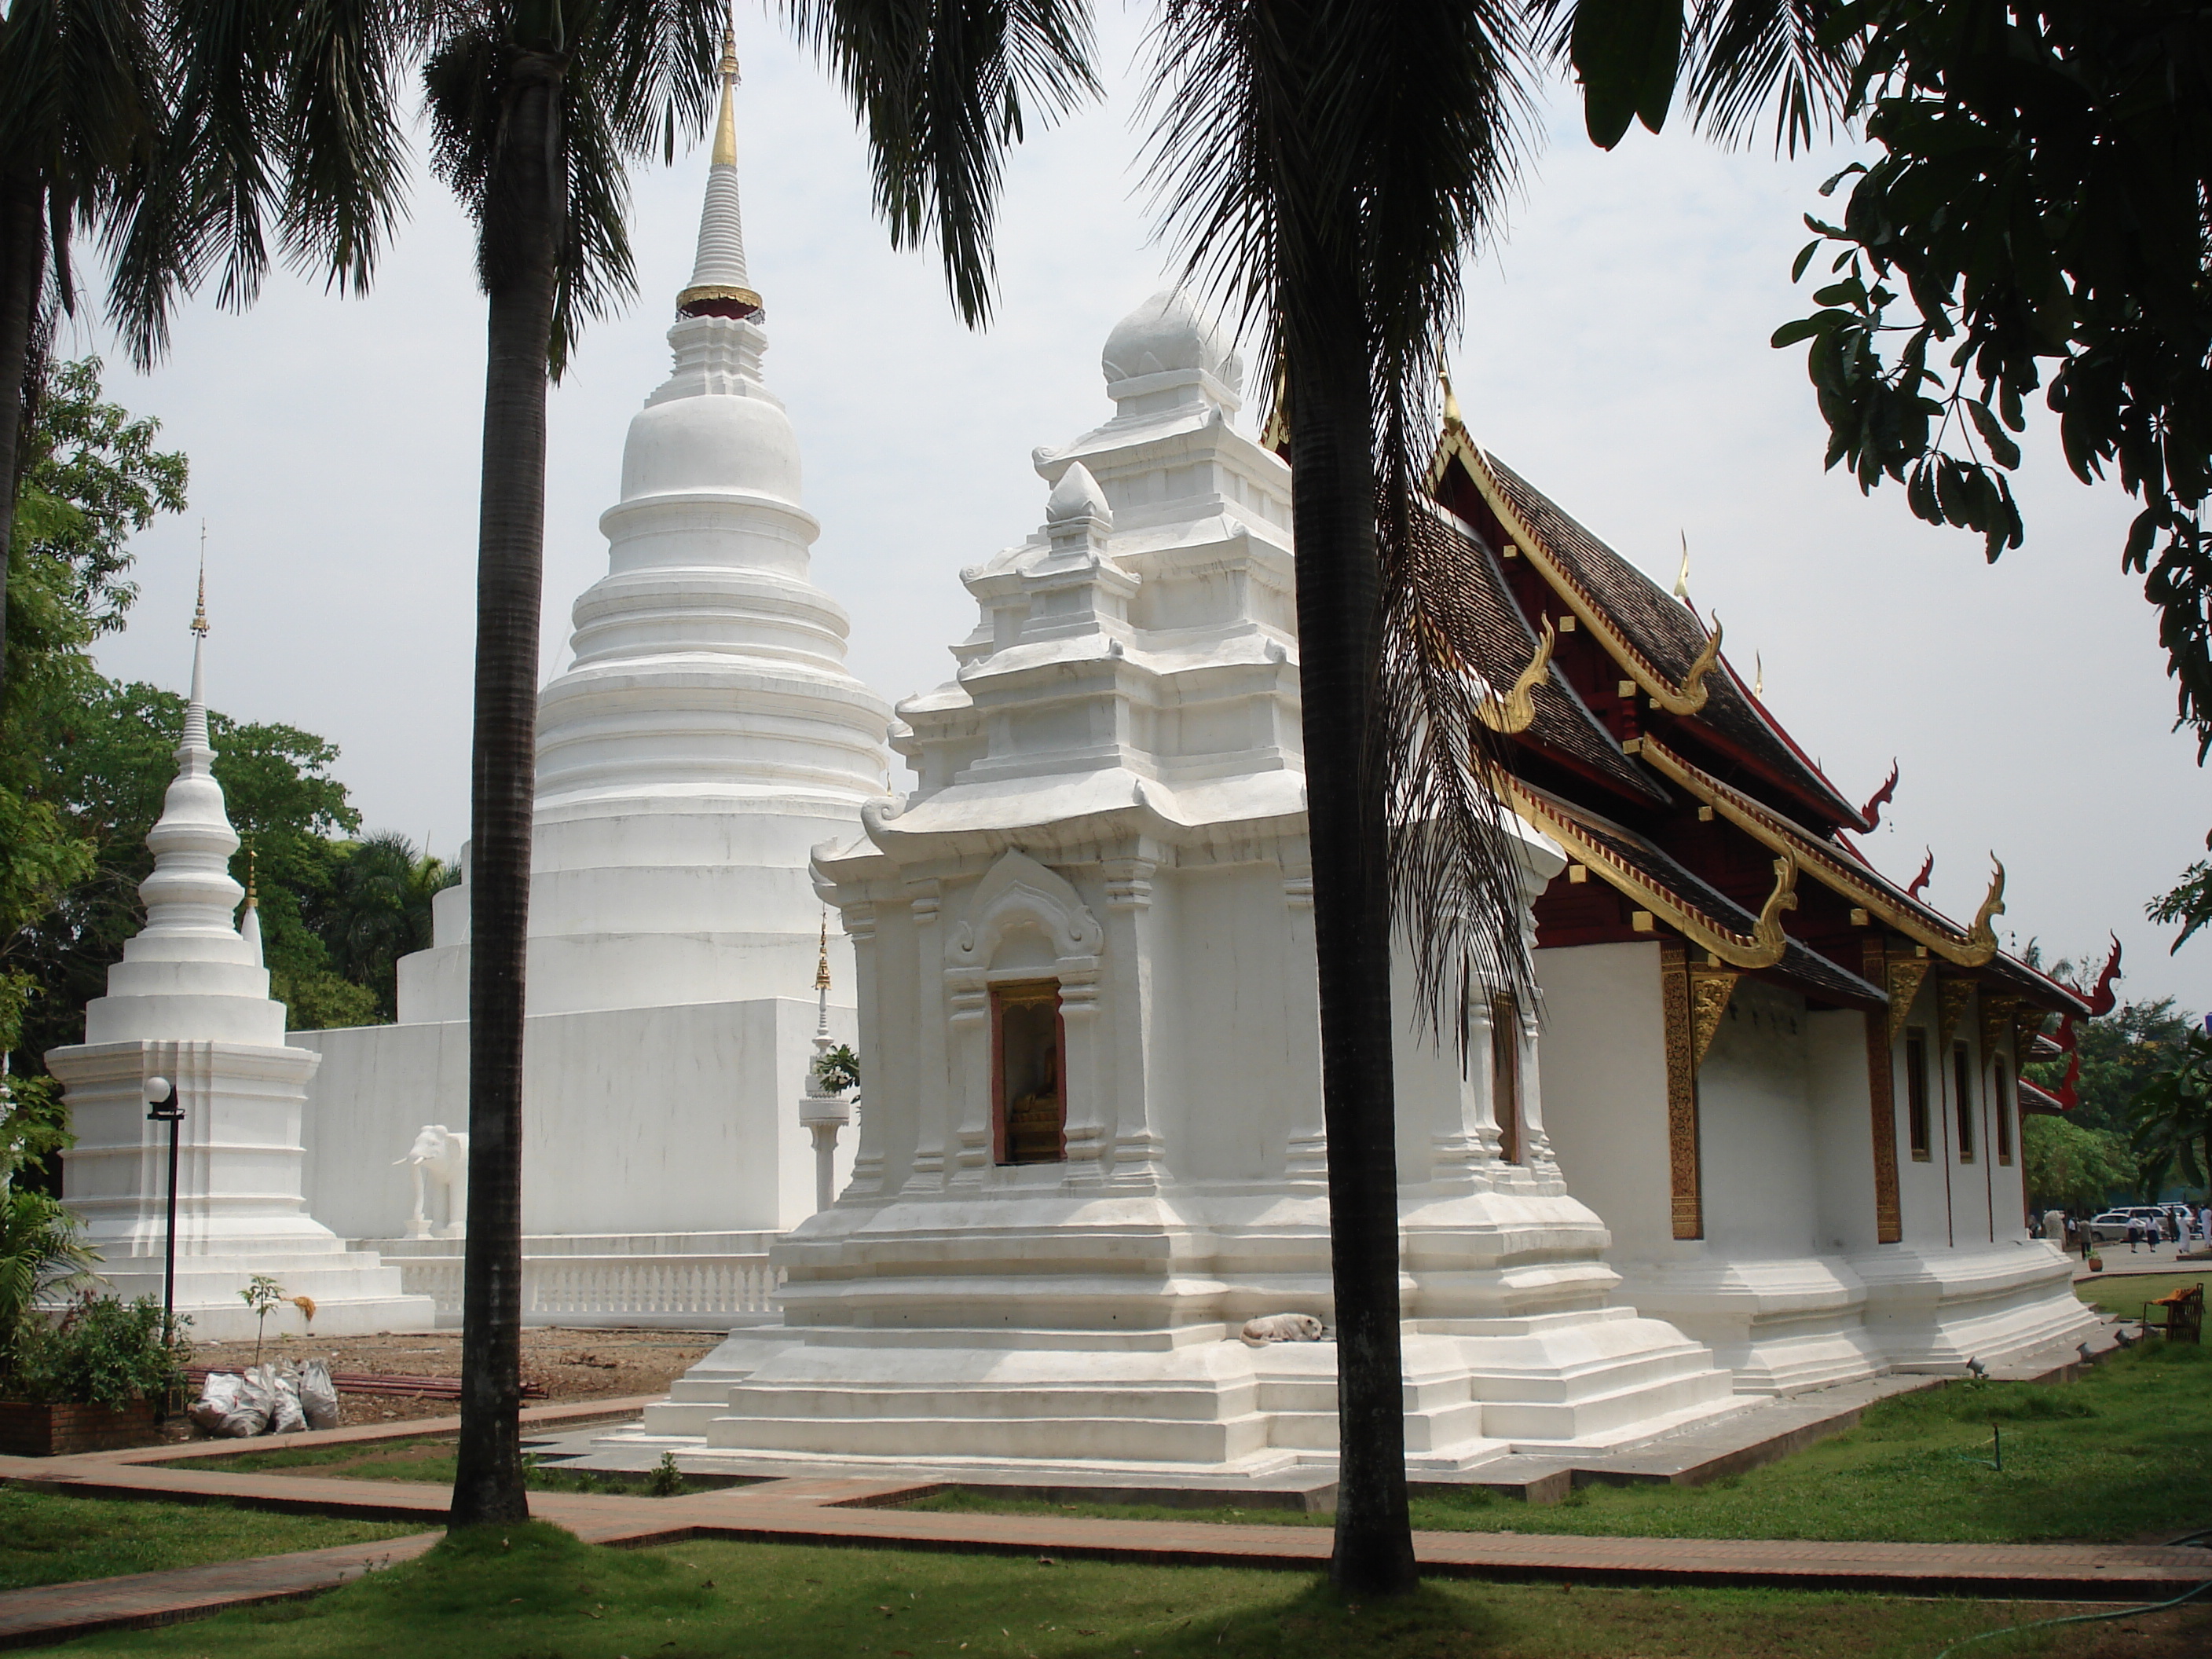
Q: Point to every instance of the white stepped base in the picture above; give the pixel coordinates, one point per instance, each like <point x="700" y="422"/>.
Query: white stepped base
<point x="677" y="1281"/>
<point x="1192" y="1397"/>
<point x="1783" y="1327"/>
<point x="354" y="1294"/>
<point x="1934" y="1311"/>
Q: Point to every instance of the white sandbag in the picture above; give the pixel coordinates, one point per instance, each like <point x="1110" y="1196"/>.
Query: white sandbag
<point x="285" y="1416"/>
<point x="1281" y="1328"/>
<point x="318" y="1396"/>
<point x="218" y="1399"/>
<point x="256" y="1404"/>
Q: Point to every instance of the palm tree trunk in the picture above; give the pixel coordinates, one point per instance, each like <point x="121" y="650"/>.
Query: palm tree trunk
<point x="521" y="227"/>
<point x="22" y="258"/>
<point x="1339" y="613"/>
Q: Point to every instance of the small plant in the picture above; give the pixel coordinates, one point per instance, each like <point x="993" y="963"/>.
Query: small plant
<point x="666" y="1481"/>
<point x="837" y="1070"/>
<point x="103" y="1352"/>
<point x="262" y="1295"/>
<point x="40" y="1254"/>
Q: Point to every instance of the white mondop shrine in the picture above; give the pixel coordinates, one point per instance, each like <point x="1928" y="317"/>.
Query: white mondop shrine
<point x="190" y="1002"/>
<point x="704" y="739"/>
<point x="1092" y="1145"/>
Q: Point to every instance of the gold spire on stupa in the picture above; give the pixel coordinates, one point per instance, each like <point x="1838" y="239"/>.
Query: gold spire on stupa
<point x="726" y="128"/>
<point x="718" y="285"/>
<point x="822" y="962"/>
<point x="200" y="604"/>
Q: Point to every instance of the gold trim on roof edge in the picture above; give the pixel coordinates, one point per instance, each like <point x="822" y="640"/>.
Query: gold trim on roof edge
<point x="1763" y="947"/>
<point x="1515" y="710"/>
<point x="1686" y="699"/>
<point x="1973" y="949"/>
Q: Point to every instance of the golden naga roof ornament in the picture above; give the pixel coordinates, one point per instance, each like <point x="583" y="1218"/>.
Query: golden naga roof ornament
<point x="1518" y="707"/>
<point x="1984" y="933"/>
<point x="1973" y="948"/>
<point x="1688" y="697"/>
<point x="1763" y="947"/>
<point x="1693" y="683"/>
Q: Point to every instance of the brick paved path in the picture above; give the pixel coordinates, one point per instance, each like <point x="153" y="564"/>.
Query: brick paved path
<point x="851" y="1512"/>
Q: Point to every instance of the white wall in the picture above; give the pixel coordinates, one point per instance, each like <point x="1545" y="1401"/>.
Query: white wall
<point x="1843" y="1132"/>
<point x="1604" y="1059"/>
<point x="1755" y="1118"/>
<point x="635" y="1120"/>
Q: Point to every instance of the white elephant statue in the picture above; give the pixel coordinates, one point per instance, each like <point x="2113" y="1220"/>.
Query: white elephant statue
<point x="439" y="1155"/>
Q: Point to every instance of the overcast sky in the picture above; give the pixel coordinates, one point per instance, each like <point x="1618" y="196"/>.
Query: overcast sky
<point x="1615" y="353"/>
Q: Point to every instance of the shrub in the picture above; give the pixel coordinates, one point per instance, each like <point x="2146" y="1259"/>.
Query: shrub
<point x="102" y="1352"/>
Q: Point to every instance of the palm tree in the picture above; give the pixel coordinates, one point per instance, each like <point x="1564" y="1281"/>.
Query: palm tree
<point x="1330" y="165"/>
<point x="78" y="102"/>
<point x="381" y="911"/>
<point x="537" y="107"/>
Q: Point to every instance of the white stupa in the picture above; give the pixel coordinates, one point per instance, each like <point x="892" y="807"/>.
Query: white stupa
<point x="1092" y="1146"/>
<point x="190" y="1002"/>
<point x="705" y="738"/>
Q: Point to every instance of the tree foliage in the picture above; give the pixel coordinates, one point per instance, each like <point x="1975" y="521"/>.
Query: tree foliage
<point x="2072" y="1165"/>
<point x="2173" y="1115"/>
<point x="88" y="760"/>
<point x="2036" y="220"/>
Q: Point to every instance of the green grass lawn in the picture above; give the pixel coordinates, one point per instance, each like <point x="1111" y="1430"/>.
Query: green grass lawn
<point x="2126" y="1294"/>
<point x="533" y="1592"/>
<point x="429" y="1459"/>
<point x="2120" y="1456"/>
<point x="50" y="1540"/>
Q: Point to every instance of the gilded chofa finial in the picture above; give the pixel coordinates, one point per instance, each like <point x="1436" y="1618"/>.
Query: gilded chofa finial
<point x="822" y="962"/>
<point x="1452" y="417"/>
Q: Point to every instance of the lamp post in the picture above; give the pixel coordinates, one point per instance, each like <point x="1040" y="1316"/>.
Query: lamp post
<point x="161" y="1108"/>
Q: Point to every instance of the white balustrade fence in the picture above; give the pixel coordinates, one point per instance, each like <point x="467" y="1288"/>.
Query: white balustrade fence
<point x="697" y="1291"/>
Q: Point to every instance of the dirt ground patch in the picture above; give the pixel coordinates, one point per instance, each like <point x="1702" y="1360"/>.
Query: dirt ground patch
<point x="570" y="1364"/>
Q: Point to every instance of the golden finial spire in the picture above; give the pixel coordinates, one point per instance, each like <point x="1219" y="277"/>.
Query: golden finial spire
<point x="822" y="962"/>
<point x="1757" y="675"/>
<point x="1451" y="402"/>
<point x="726" y="128"/>
<point x="253" y="877"/>
<point x="199" y="605"/>
<point x="1682" y="576"/>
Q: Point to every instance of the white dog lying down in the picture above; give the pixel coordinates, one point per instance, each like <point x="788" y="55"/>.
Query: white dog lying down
<point x="1281" y="1328"/>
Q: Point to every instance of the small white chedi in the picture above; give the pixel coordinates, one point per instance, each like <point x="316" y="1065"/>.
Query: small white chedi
<point x="1092" y="1148"/>
<point x="190" y="1003"/>
<point x="704" y="738"/>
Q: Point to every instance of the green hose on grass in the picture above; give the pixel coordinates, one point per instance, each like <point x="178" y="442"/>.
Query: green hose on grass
<point x="2087" y="1618"/>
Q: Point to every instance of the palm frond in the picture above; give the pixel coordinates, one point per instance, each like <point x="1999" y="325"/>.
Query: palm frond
<point x="79" y="103"/>
<point x="1741" y="58"/>
<point x="202" y="195"/>
<point x="1746" y="55"/>
<point x="1290" y="141"/>
<point x="344" y="142"/>
<point x="942" y="87"/>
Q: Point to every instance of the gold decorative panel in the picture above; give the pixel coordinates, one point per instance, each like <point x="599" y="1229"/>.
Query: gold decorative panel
<point x="1997" y="1015"/>
<point x="1709" y="991"/>
<point x="1952" y="996"/>
<point x="1682" y="1159"/>
<point x="1881" y="1031"/>
<point x="1902" y="977"/>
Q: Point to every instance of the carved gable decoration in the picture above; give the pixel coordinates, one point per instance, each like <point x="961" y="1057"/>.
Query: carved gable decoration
<point x="1021" y="893"/>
